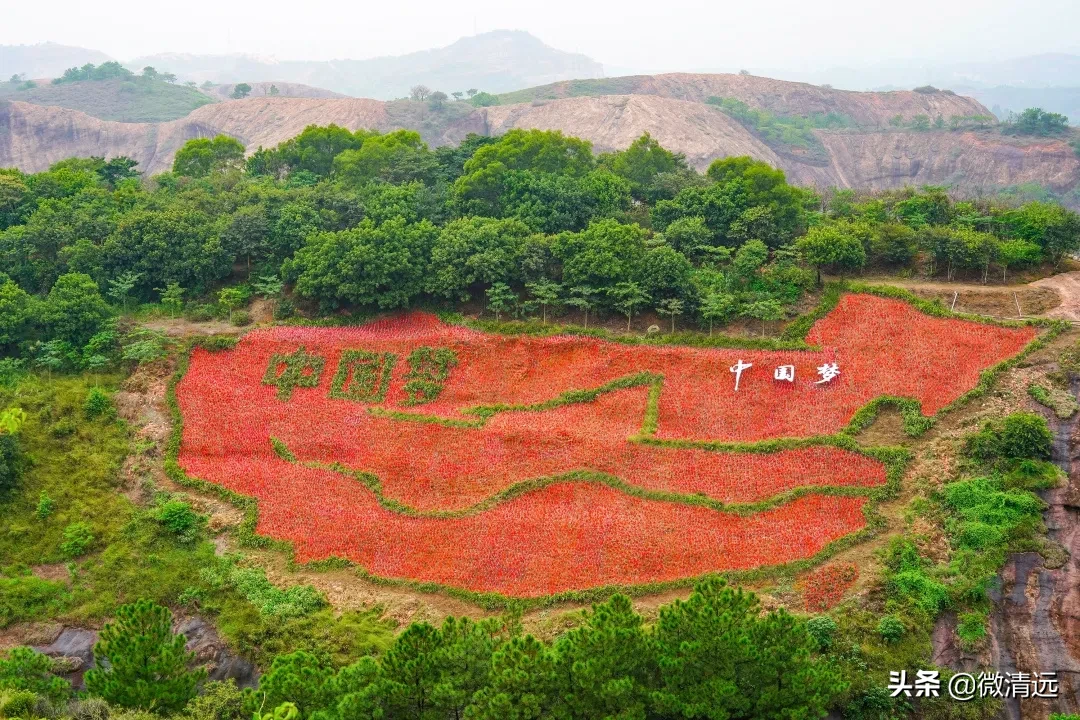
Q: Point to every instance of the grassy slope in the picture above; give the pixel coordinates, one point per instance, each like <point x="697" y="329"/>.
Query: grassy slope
<point x="574" y="88"/>
<point x="132" y="100"/>
<point x="76" y="461"/>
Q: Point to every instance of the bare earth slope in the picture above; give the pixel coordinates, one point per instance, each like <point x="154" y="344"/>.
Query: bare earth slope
<point x="34" y="137"/>
<point x="613" y="122"/>
<point x="778" y="96"/>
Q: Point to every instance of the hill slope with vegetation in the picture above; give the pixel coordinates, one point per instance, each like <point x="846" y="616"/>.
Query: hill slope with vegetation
<point x="516" y="233"/>
<point x="970" y="161"/>
<point x="109" y="92"/>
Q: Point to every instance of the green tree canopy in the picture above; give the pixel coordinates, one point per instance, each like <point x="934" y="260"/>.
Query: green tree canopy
<point x="203" y="157"/>
<point x="140" y="663"/>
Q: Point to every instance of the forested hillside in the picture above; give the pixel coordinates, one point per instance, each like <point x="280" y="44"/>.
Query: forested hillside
<point x="118" y="442"/>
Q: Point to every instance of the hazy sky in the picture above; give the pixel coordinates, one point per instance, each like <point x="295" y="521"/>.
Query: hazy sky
<point x="667" y="34"/>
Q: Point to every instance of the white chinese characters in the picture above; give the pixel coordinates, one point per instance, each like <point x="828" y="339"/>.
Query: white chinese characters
<point x="738" y="369"/>
<point x="786" y="373"/>
<point x="828" y="372"/>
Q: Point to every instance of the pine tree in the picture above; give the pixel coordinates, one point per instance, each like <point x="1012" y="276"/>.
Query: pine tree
<point x="141" y="663"/>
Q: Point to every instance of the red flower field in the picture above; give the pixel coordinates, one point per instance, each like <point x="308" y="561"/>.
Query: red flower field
<point x="592" y="493"/>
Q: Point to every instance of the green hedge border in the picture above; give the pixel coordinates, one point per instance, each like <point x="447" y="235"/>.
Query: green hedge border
<point x="895" y="459"/>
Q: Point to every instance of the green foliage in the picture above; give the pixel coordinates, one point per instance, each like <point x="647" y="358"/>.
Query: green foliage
<point x="1036" y="121"/>
<point x="828" y="246"/>
<point x="971" y="628"/>
<point x="428" y="370"/>
<point x="28" y="670"/>
<point x="297" y="369"/>
<point x="891" y="628"/>
<point x="140" y="663"/>
<point x="362" y="376"/>
<point x="203" y="157"/>
<point x="98" y="403"/>
<point x="45" y="507"/>
<point x="78" y="538"/>
<point x="180" y="519"/>
<point x="822" y="629"/>
<point x="382" y="265"/>
<point x="702" y="642"/>
<point x="17" y="703"/>
<point x="397" y="157"/>
<point x="1016" y="437"/>
<point x="217" y="701"/>
<point x="783" y="131"/>
<point x="297" y="601"/>
<point x="74" y="310"/>
<point x="300" y="678"/>
<point x="484" y="99"/>
<point x="1061" y="402"/>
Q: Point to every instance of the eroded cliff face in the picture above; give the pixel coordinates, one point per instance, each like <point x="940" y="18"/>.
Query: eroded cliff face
<point x="32" y="137"/>
<point x="1035" y="623"/>
<point x="969" y="161"/>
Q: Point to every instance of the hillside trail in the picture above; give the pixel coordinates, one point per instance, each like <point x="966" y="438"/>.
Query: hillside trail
<point x="1067" y="286"/>
<point x="1057" y="296"/>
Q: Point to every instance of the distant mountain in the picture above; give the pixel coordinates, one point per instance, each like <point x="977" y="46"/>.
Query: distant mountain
<point x="45" y="60"/>
<point x="494" y="62"/>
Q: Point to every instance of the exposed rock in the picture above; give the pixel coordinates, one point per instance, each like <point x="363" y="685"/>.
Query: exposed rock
<point x="210" y="650"/>
<point x="74" y="648"/>
<point x="1035" y="625"/>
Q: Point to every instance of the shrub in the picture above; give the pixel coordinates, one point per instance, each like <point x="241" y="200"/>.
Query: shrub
<point x="26" y="669"/>
<point x="141" y="663"/>
<point x="240" y="318"/>
<point x="78" y="537"/>
<point x="180" y="519"/>
<point x="890" y="628"/>
<point x="822" y="629"/>
<point x="45" y="506"/>
<point x="98" y="403"/>
<point x="971" y="628"/>
<point x="91" y="708"/>
<point x="218" y="701"/>
<point x="11" y="461"/>
<point x="284" y="309"/>
<point x="1019" y="436"/>
<point x="17" y="704"/>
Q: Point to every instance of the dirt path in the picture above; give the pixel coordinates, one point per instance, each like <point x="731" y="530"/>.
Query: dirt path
<point x="1067" y="286"/>
<point x="1002" y="301"/>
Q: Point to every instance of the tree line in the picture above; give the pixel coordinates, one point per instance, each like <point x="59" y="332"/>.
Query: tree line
<point x="532" y="223"/>
<point x="716" y="654"/>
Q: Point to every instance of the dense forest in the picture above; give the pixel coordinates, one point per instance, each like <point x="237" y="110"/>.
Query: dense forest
<point x="530" y="226"/>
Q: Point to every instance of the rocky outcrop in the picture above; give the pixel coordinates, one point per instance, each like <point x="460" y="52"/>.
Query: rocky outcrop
<point x="973" y="162"/>
<point x="1035" y="625"/>
<point x="72" y="650"/>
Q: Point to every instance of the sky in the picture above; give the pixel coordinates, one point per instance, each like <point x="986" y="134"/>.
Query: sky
<point x="632" y="34"/>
